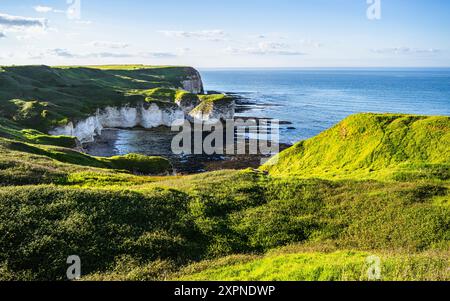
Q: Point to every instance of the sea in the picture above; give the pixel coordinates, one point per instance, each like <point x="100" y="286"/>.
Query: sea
<point x="306" y="101"/>
<point x="313" y="100"/>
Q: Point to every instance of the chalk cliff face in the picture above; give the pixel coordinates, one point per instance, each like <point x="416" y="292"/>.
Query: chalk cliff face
<point x="189" y="104"/>
<point x="193" y="83"/>
<point x="146" y="116"/>
<point x="222" y="109"/>
<point x="125" y="117"/>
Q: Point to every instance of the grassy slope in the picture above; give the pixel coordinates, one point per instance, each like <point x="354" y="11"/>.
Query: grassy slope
<point x="320" y="266"/>
<point x="134" y="227"/>
<point x="208" y="102"/>
<point x="25" y="163"/>
<point x="371" y="146"/>
<point x="336" y="224"/>
<point x="42" y="97"/>
<point x="215" y="215"/>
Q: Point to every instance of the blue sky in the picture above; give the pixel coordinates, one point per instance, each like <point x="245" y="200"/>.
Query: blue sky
<point x="244" y="33"/>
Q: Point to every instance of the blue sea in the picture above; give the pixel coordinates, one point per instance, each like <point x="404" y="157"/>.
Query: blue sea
<point x="310" y="100"/>
<point x="314" y="100"/>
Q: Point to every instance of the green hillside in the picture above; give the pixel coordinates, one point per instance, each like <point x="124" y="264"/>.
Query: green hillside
<point x="43" y="97"/>
<point x="371" y="146"/>
<point x="373" y="185"/>
<point x="321" y="266"/>
<point x="34" y="99"/>
<point x="147" y="228"/>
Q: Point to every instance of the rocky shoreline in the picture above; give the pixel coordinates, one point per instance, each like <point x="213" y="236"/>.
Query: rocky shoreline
<point x="149" y="115"/>
<point x="156" y="141"/>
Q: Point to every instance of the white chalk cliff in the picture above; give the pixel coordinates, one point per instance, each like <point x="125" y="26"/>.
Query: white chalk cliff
<point x="143" y="115"/>
<point x="125" y="117"/>
<point x="148" y="115"/>
<point x="193" y="83"/>
<point x="215" y="113"/>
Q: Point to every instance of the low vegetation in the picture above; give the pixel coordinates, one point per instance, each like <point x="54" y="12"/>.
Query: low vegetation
<point x="150" y="228"/>
<point x="319" y="266"/>
<point x="374" y="187"/>
<point x="377" y="146"/>
<point x="42" y="97"/>
<point x="209" y="102"/>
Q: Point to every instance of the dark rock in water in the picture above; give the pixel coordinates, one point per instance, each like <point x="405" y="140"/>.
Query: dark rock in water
<point x="243" y="109"/>
<point x="212" y="92"/>
<point x="291" y="128"/>
<point x="242" y="103"/>
<point x="285" y="123"/>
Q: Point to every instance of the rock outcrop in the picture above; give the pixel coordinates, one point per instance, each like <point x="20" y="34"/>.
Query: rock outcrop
<point x="162" y="107"/>
<point x="187" y="101"/>
<point x="186" y="106"/>
<point x="213" y="108"/>
<point x="193" y="82"/>
<point x="146" y="116"/>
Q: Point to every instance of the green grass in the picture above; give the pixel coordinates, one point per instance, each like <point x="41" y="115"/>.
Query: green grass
<point x="209" y="102"/>
<point x="317" y="266"/>
<point x="123" y="67"/>
<point x="41" y="224"/>
<point x="41" y="97"/>
<point x="186" y="99"/>
<point x="140" y="164"/>
<point x="217" y="215"/>
<point x="163" y="97"/>
<point x="375" y="184"/>
<point x="10" y="130"/>
<point x="379" y="146"/>
<point x="25" y="163"/>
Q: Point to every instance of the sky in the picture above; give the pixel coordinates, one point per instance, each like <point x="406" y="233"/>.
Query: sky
<point x="227" y="33"/>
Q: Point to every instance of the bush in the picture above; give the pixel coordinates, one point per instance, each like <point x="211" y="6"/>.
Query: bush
<point x="140" y="164"/>
<point x="42" y="226"/>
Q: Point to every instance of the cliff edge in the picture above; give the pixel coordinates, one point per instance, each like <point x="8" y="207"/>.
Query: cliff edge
<point x="81" y="101"/>
<point x="42" y="97"/>
<point x="382" y="146"/>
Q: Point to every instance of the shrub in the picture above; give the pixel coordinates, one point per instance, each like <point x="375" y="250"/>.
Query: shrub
<point x="140" y="164"/>
<point x="42" y="226"/>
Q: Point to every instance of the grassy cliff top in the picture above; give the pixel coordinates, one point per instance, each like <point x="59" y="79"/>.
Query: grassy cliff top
<point x="43" y="97"/>
<point x="121" y="67"/>
<point x="370" y="145"/>
<point x="209" y="102"/>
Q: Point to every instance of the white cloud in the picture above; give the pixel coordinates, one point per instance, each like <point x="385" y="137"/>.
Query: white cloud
<point x="47" y="9"/>
<point x="268" y="36"/>
<point x="23" y="27"/>
<point x="43" y="9"/>
<point x="17" y="22"/>
<point x="83" y="22"/>
<point x="157" y="55"/>
<point x="183" y="51"/>
<point x="2" y="35"/>
<point x="311" y="43"/>
<point x="64" y="53"/>
<point x="206" y="35"/>
<point x="267" y="48"/>
<point x="405" y="50"/>
<point x="35" y="55"/>
<point x="112" y="45"/>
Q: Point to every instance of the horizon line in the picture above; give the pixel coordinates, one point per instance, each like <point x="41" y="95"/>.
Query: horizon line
<point x="232" y="67"/>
